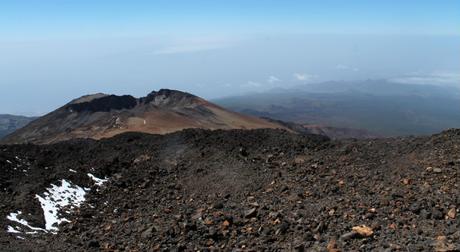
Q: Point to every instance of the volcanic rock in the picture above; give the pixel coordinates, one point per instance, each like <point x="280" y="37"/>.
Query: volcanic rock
<point x="180" y="199"/>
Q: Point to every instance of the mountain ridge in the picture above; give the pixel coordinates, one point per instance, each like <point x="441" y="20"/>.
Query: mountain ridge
<point x="9" y="123"/>
<point x="101" y="115"/>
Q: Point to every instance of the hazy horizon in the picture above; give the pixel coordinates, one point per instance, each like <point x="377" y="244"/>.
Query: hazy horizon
<point x="52" y="52"/>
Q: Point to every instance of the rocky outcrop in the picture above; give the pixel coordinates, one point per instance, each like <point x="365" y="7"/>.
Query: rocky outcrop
<point x="173" y="98"/>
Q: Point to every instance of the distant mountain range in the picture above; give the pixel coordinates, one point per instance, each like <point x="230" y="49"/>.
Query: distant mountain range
<point x="377" y="106"/>
<point x="10" y="123"/>
<point x="365" y="109"/>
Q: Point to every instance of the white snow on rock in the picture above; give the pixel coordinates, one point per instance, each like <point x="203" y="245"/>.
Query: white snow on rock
<point x="14" y="217"/>
<point x="72" y="170"/>
<point x="52" y="201"/>
<point x="57" y="197"/>
<point x="96" y="180"/>
<point x="12" y="230"/>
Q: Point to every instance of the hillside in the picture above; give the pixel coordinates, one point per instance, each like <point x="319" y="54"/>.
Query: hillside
<point x="243" y="190"/>
<point x="10" y="123"/>
<point x="100" y="116"/>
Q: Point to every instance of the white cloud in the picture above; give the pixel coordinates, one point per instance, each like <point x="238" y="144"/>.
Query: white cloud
<point x="272" y="79"/>
<point x="434" y="78"/>
<point x="304" y="76"/>
<point x="253" y="84"/>
<point x="192" y="45"/>
<point x="346" y="68"/>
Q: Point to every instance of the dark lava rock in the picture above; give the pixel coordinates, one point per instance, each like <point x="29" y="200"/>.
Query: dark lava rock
<point x="265" y="201"/>
<point x="349" y="235"/>
<point x="415" y="207"/>
<point x="218" y="205"/>
<point x="250" y="213"/>
<point x="424" y="214"/>
<point x="436" y="214"/>
<point x="148" y="233"/>
<point x="93" y="244"/>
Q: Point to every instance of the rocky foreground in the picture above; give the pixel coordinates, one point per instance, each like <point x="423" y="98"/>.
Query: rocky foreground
<point x="232" y="190"/>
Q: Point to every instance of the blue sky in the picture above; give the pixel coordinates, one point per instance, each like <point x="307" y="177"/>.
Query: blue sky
<point x="89" y="18"/>
<point x="53" y="51"/>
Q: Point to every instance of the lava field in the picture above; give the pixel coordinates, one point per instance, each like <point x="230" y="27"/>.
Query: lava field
<point x="232" y="190"/>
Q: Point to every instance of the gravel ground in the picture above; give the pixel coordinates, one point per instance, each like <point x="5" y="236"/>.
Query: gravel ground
<point x="254" y="190"/>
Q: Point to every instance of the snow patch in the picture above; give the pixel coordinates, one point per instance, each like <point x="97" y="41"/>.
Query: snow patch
<point x="12" y="230"/>
<point x="14" y="217"/>
<point x="57" y="197"/>
<point x="96" y="180"/>
<point x="53" y="200"/>
<point x="71" y="170"/>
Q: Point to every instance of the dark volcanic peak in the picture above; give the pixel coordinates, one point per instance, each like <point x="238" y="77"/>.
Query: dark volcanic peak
<point x="105" y="104"/>
<point x="169" y="97"/>
<point x="88" y="98"/>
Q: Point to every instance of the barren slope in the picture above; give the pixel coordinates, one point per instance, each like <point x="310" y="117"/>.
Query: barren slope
<point x="100" y="116"/>
<point x="240" y="190"/>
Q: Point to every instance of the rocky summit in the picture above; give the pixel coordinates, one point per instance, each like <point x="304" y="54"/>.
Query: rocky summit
<point x="233" y="190"/>
<point x="100" y="116"/>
